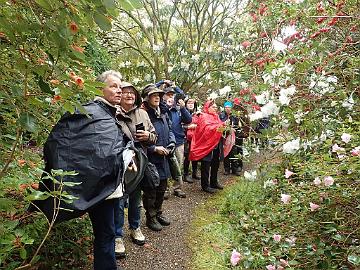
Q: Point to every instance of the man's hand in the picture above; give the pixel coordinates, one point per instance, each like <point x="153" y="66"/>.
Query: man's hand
<point x="181" y="103"/>
<point x="161" y="150"/>
<point x="142" y="135"/>
<point x="132" y="165"/>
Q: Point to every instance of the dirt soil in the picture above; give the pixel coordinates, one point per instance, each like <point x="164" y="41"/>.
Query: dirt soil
<point x="168" y="249"/>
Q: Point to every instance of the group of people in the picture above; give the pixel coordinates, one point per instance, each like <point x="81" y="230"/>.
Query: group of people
<point x="146" y="137"/>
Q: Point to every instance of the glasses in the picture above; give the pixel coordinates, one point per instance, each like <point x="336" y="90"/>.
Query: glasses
<point x="128" y="93"/>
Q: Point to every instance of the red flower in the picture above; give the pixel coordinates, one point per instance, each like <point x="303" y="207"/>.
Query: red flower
<point x="262" y="9"/>
<point x="55" y="82"/>
<point x="72" y="75"/>
<point x="79" y="82"/>
<point x="256" y="107"/>
<point x="77" y="48"/>
<point x="254" y="17"/>
<point x="324" y="30"/>
<point x="320" y="8"/>
<point x="314" y="35"/>
<point x="320" y="20"/>
<point x="246" y="44"/>
<point x="73" y="27"/>
<point x="2" y="35"/>
<point x="57" y="97"/>
<point x="263" y="34"/>
<point x="349" y="39"/>
<point x="237" y="101"/>
<point x="333" y="21"/>
<point x="21" y="162"/>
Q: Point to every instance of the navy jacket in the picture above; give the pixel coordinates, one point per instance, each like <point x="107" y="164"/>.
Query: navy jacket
<point x="162" y="125"/>
<point x="178" y="118"/>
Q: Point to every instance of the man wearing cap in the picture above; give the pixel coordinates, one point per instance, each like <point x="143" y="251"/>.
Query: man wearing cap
<point x="131" y="118"/>
<point x="179" y="117"/>
<point x="153" y="197"/>
<point x="232" y="163"/>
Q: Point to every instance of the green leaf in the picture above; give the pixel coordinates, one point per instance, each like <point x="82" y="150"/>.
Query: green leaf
<point x="44" y="86"/>
<point x="44" y="4"/>
<point x="354" y="259"/>
<point x="69" y="107"/>
<point x="23" y="253"/>
<point x="110" y="4"/>
<point x="37" y="195"/>
<point x="27" y="122"/>
<point x="102" y="21"/>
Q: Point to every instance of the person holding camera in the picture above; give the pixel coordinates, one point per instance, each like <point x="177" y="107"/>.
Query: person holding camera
<point x="179" y="117"/>
<point x="136" y="125"/>
<point x="158" y="155"/>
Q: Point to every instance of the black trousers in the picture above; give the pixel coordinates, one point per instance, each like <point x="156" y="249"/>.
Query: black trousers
<point x="194" y="164"/>
<point x="209" y="169"/>
<point x="153" y="199"/>
<point x="231" y="162"/>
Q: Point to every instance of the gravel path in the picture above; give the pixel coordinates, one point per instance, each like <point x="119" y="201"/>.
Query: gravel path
<point x="167" y="249"/>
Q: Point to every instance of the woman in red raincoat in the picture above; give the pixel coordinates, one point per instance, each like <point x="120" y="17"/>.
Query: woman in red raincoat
<point x="206" y="146"/>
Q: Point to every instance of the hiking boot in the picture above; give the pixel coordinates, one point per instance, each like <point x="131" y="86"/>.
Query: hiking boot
<point x="209" y="190"/>
<point x="167" y="194"/>
<point x="188" y="179"/>
<point x="137" y="237"/>
<point x="179" y="193"/>
<point x="119" y="248"/>
<point x="153" y="224"/>
<point x="164" y="221"/>
<point x="217" y="186"/>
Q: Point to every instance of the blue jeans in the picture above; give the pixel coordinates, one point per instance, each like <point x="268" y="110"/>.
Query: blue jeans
<point x="133" y="213"/>
<point x="102" y="219"/>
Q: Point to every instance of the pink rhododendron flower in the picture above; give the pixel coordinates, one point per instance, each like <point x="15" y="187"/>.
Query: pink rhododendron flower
<point x="328" y="181"/>
<point x="288" y="173"/>
<point x="235" y="257"/>
<point x="317" y="181"/>
<point x="336" y="148"/>
<point x="345" y="137"/>
<point x="314" y="206"/>
<point x="341" y="156"/>
<point x="277" y="237"/>
<point x="285" y="198"/>
<point x="356" y="151"/>
<point x="270" y="267"/>
<point x="284" y="262"/>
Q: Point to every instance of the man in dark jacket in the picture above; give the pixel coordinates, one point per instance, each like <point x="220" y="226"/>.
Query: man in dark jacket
<point x="179" y="117"/>
<point x="158" y="155"/>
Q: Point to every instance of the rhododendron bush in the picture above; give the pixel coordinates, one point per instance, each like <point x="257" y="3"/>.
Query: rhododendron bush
<point x="303" y="66"/>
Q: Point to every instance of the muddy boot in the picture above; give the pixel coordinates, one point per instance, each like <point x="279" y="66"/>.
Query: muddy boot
<point x="188" y="179"/>
<point x="153" y="224"/>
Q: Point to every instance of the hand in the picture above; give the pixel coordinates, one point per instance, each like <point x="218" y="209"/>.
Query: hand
<point x="181" y="103"/>
<point x="192" y="126"/>
<point x="161" y="150"/>
<point x="142" y="135"/>
<point x="132" y="165"/>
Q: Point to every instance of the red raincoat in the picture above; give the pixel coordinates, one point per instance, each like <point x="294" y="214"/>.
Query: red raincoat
<point x="206" y="135"/>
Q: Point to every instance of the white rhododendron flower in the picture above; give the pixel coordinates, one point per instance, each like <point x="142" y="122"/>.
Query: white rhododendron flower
<point x="225" y="90"/>
<point x="278" y="45"/>
<point x="348" y="103"/>
<point x="256" y="116"/>
<point x="195" y="57"/>
<point x="284" y="100"/>
<point x="136" y="81"/>
<point x="345" y="137"/>
<point x="250" y="175"/>
<point x="292" y="146"/>
<point x="185" y="65"/>
<point x="270" y="109"/>
<point x="213" y="95"/>
<point x="263" y="98"/>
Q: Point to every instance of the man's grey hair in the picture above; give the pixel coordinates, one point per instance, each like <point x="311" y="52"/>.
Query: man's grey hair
<point x="103" y="76"/>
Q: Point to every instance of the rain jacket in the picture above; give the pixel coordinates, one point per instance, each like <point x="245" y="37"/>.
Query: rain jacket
<point x="93" y="146"/>
<point x="160" y="120"/>
<point x="178" y="117"/>
<point x="206" y="135"/>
